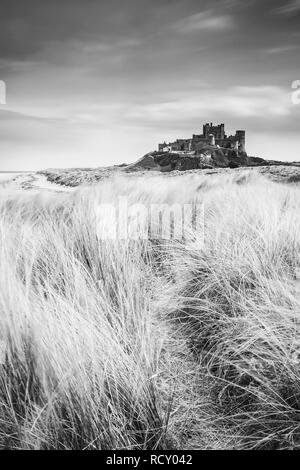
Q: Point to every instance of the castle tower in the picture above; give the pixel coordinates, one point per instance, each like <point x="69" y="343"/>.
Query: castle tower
<point x="241" y="137"/>
<point x="218" y="131"/>
<point x="206" y="128"/>
<point x="212" y="140"/>
<point x="222" y="131"/>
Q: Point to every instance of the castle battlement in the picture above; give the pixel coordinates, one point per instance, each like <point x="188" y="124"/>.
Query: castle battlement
<point x="211" y="136"/>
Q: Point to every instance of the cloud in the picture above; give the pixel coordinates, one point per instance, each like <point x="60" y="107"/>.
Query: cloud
<point x="17" y="66"/>
<point x="108" y="46"/>
<point x="257" y="101"/>
<point x="281" y="49"/>
<point x="204" y="21"/>
<point x="265" y="102"/>
<point x="9" y="115"/>
<point x="290" y="8"/>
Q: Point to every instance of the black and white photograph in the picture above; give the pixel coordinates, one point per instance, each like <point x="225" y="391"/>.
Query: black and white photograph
<point x="149" y="228"/>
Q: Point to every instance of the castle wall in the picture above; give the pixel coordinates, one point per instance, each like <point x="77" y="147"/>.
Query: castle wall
<point x="217" y="131"/>
<point x="198" y="141"/>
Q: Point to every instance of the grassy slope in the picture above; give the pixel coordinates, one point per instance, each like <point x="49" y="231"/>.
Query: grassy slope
<point x="143" y="345"/>
<point x="74" y="177"/>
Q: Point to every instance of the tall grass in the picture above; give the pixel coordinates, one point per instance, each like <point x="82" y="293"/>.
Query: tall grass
<point x="81" y="343"/>
<point x="240" y="305"/>
<point x="141" y="344"/>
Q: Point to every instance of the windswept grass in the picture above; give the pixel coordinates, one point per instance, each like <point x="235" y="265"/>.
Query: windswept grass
<point x="141" y="344"/>
<point x="240" y="304"/>
<point x="81" y="344"/>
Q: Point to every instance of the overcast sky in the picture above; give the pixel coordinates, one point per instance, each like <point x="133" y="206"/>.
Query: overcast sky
<point x="100" y="82"/>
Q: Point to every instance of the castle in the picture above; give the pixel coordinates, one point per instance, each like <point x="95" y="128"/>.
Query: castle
<point x="212" y="136"/>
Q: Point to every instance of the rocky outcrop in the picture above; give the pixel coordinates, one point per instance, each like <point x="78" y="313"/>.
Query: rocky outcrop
<point x="211" y="157"/>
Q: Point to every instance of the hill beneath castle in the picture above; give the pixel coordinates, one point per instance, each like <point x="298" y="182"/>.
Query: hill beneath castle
<point x="211" y="157"/>
<point x="212" y="160"/>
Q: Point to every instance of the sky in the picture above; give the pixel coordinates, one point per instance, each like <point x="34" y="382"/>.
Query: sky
<point x="99" y="82"/>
